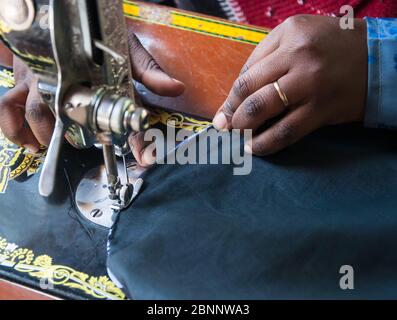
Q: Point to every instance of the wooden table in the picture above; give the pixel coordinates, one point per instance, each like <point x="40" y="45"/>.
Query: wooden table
<point x="13" y="291"/>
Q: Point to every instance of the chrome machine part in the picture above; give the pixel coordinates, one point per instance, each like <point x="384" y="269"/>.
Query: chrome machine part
<point x="92" y="198"/>
<point x="110" y="116"/>
<point x="79" y="51"/>
<point x="102" y="111"/>
<point x="17" y="14"/>
<point x="78" y="61"/>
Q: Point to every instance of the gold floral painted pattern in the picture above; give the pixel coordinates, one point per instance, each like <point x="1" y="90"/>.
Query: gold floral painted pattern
<point x="3" y="27"/>
<point x="14" y="162"/>
<point x="178" y="120"/>
<point x="6" y="78"/>
<point x="42" y="268"/>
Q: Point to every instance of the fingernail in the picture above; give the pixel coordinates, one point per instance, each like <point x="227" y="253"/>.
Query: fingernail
<point x="149" y="156"/>
<point x="32" y="149"/>
<point x="177" y="81"/>
<point x="248" y="148"/>
<point x="220" y="121"/>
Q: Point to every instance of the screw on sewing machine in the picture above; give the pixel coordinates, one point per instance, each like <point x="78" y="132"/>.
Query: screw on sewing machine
<point x="96" y="213"/>
<point x="84" y="74"/>
<point x="106" y="115"/>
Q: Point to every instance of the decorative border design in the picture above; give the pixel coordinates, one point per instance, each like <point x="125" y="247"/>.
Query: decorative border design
<point x="178" y="121"/>
<point x="41" y="267"/>
<point x="9" y="155"/>
<point x="6" y="79"/>
<point x="14" y="162"/>
<point x="199" y="24"/>
<point x="3" y="27"/>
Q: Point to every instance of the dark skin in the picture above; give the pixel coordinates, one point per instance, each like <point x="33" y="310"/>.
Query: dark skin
<point x="27" y="121"/>
<point x="320" y="67"/>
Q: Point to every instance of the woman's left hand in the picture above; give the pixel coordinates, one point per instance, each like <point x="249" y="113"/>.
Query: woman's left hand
<point x="320" y="67"/>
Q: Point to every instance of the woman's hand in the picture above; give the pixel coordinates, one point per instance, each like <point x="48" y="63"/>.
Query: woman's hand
<point x="27" y="121"/>
<point x="24" y="118"/>
<point x="322" y="70"/>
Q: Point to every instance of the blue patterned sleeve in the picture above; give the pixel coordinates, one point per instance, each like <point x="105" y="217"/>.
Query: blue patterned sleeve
<point x="381" y="107"/>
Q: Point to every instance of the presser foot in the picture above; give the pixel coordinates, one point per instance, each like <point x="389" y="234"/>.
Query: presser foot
<point x="92" y="194"/>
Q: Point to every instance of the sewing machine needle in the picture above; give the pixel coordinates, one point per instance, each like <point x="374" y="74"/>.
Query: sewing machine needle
<point x="126" y="170"/>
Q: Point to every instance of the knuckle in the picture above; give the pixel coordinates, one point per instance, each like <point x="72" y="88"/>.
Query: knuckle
<point x="295" y="21"/>
<point x="283" y="133"/>
<point x="151" y="64"/>
<point x="13" y="133"/>
<point x="315" y="77"/>
<point x="35" y="112"/>
<point x="289" y="22"/>
<point x="244" y="69"/>
<point x="282" y="136"/>
<point x="140" y="56"/>
<point x="133" y="42"/>
<point x="9" y="127"/>
<point x="304" y="43"/>
<point x="21" y="71"/>
<point x="13" y="136"/>
<point x="241" y="87"/>
<point x="5" y="101"/>
<point x="254" y="105"/>
<point x="307" y="44"/>
<point x="147" y="62"/>
<point x="228" y="109"/>
<point x="260" y="147"/>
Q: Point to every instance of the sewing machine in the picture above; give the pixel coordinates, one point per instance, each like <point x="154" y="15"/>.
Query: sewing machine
<point x="174" y="244"/>
<point x="40" y="236"/>
<point x="79" y="51"/>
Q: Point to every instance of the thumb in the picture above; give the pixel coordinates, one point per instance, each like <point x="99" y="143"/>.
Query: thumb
<point x="147" y="71"/>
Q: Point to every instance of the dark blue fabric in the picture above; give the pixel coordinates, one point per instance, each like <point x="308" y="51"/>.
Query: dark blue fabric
<point x="381" y="109"/>
<point x="52" y="226"/>
<point x="283" y="231"/>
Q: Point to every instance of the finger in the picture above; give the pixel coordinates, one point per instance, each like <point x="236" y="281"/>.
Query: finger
<point x="149" y="155"/>
<point x="264" y="48"/>
<point x="146" y="70"/>
<point x="39" y="117"/>
<point x="12" y="118"/>
<point x="268" y="70"/>
<point x="287" y="131"/>
<point x="266" y="103"/>
<point x="143" y="151"/>
<point x="22" y="73"/>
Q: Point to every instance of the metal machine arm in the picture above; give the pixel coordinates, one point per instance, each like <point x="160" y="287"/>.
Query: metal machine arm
<point x="79" y="51"/>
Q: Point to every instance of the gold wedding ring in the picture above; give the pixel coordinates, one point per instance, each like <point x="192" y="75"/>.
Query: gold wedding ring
<point x="281" y="93"/>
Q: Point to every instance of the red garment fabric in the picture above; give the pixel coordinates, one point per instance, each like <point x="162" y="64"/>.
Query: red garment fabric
<point x="270" y="13"/>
